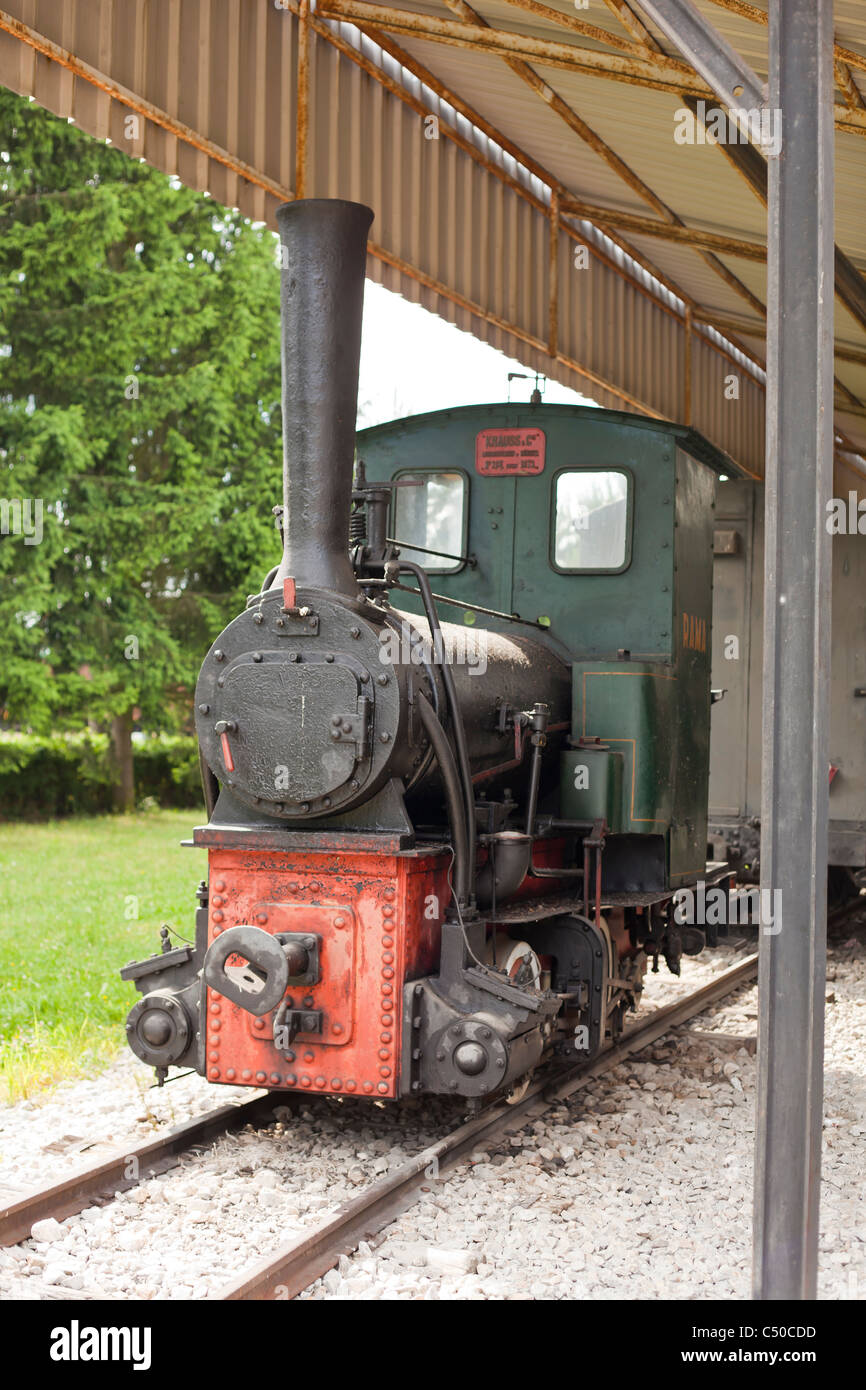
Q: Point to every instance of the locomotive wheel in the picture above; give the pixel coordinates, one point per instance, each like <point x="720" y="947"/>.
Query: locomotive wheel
<point x="518" y="1090"/>
<point x="516" y="959"/>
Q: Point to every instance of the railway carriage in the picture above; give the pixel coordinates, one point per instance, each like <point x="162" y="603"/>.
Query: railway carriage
<point x="735" y="747"/>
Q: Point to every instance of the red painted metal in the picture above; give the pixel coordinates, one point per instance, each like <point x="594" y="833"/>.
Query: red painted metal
<point x="290" y="598"/>
<point x="227" y="753"/>
<point x="509" y="452"/>
<point x="378" y="919"/>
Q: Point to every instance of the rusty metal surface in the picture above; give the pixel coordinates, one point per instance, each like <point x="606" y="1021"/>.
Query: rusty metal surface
<point x="368" y="912"/>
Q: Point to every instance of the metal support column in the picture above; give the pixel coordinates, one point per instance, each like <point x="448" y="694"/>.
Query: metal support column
<point x="794" y="807"/>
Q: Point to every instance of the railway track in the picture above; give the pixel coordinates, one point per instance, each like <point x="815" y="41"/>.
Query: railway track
<point x="300" y="1262"/>
<point x="125" y="1168"/>
<point x="295" y="1265"/>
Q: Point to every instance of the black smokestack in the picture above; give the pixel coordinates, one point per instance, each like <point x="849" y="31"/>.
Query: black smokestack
<point x="322" y="294"/>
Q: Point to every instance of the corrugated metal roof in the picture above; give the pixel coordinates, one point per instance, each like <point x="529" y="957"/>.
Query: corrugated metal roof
<point x="463" y="221"/>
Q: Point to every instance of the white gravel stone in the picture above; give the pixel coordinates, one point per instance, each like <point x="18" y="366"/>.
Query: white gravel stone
<point x="451" y="1261"/>
<point x="49" y="1230"/>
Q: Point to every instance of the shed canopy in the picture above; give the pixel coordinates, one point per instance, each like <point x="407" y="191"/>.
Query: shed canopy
<point x="552" y="177"/>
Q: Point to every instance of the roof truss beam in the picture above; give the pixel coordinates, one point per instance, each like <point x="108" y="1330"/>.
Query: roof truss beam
<point x="704" y="48"/>
<point x="660" y="72"/>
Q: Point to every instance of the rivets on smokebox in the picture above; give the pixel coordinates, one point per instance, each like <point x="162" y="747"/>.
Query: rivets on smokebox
<point x="258" y="619"/>
<point x="309" y="1056"/>
<point x="388" y="989"/>
<point x="213" y="1056"/>
<point x="217" y="915"/>
<point x="215" y="1024"/>
<point x="339" y="921"/>
<point x="389" y="892"/>
<point x="383" y="679"/>
<point x="291" y="1079"/>
<point x="387" y="910"/>
<point x="214" y="1073"/>
<point x="219" y="655"/>
<point x="387" y="941"/>
<point x="275" y="1078"/>
<point x="261" y="1076"/>
<point x="261" y="916"/>
<point x="351" y="1085"/>
<point x="388" y="958"/>
<point x="246" y="1074"/>
<point x="337" y="1029"/>
<point x="336" y="1083"/>
<point x="258" y="1023"/>
<point x="217" y="930"/>
<point x="382" y="1087"/>
<point x="220" y="885"/>
<point x="309" y="1001"/>
<point x="216" y="1008"/>
<point x="204" y="709"/>
<point x="368" y="1086"/>
<point x="384" y="1054"/>
<point x="305" y="1081"/>
<point x="385" y="1037"/>
<point x="315" y="886"/>
<point x="320" y="1082"/>
<point x="386" y="1020"/>
<point x="231" y="1074"/>
<point x="293" y="888"/>
<point x="217" y="900"/>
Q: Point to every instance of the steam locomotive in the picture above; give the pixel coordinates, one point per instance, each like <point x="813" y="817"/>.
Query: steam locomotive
<point x="441" y="850"/>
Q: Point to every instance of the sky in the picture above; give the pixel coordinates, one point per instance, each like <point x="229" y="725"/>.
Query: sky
<point x="412" y="361"/>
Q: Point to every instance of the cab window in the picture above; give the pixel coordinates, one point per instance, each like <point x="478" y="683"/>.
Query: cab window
<point x="430" y="512"/>
<point x="592" y="520"/>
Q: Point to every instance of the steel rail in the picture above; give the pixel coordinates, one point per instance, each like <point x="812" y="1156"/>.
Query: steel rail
<point x="298" y="1263"/>
<point x="125" y="1168"/>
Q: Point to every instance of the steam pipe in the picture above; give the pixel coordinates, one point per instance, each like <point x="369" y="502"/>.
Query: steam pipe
<point x="324" y="248"/>
<point x="463" y="764"/>
<point x="453" y="795"/>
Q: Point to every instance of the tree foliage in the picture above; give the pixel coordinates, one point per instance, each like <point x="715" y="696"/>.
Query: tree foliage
<point x="139" y="400"/>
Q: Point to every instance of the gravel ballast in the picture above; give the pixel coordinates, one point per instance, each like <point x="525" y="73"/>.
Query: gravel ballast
<point x="640" y="1186"/>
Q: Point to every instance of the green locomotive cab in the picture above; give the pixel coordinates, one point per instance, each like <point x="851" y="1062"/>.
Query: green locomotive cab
<point x="593" y="530"/>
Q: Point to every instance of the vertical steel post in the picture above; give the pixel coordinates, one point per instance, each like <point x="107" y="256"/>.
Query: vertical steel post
<point x="794" y="808"/>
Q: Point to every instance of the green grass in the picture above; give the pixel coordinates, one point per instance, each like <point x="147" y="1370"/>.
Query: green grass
<point x="78" y="899"/>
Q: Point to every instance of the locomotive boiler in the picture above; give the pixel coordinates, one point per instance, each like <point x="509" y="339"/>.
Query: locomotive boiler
<point x="439" y="850"/>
